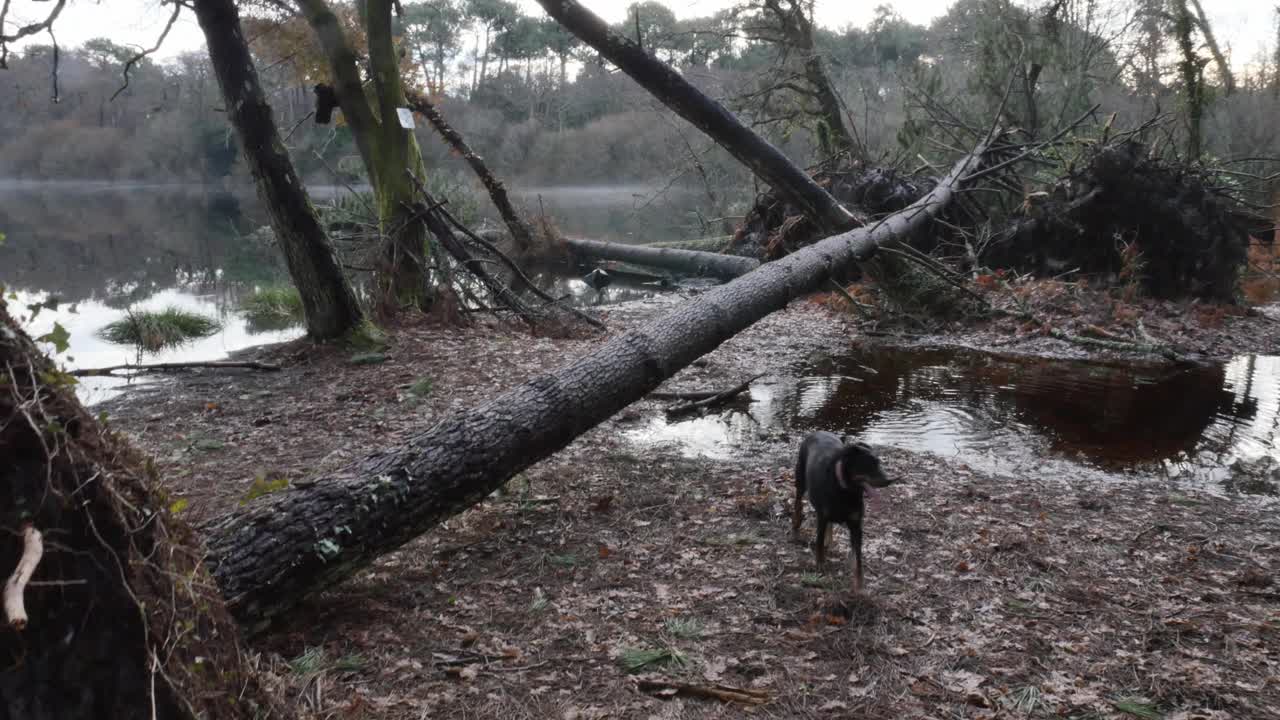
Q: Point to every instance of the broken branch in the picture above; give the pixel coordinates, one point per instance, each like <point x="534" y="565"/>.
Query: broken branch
<point x="723" y="693"/>
<point x="713" y="401"/>
<point x="175" y="367"/>
<point x="520" y="231"/>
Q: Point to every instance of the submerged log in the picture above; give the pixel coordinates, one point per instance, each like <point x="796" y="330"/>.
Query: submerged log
<point x="690" y="262"/>
<point x="114" y="615"/>
<point x="291" y="544"/>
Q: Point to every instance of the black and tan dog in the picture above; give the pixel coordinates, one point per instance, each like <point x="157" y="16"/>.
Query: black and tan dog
<point x="835" y="474"/>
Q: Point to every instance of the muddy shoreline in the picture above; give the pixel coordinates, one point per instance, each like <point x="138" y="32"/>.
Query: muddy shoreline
<point x="993" y="593"/>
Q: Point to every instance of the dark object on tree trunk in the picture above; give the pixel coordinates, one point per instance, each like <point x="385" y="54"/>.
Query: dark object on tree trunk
<point x="328" y="304"/>
<point x="123" y="621"/>
<point x="288" y="545"/>
<point x="689" y="262"/>
<point x="765" y="160"/>
<point x="326" y="101"/>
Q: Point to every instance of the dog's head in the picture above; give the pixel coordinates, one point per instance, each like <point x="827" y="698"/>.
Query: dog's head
<point x="859" y="466"/>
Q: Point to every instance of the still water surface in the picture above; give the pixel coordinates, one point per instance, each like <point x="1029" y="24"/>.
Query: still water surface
<point x="1029" y="417"/>
<point x="104" y="248"/>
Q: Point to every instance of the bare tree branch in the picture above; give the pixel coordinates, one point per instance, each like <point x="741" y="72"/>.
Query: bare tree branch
<point x="26" y="31"/>
<point x="177" y="8"/>
<point x="33" y="28"/>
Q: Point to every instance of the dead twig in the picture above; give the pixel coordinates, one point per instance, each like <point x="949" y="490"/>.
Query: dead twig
<point x="723" y="693"/>
<point x="32" y="551"/>
<point x="176" y="367"/>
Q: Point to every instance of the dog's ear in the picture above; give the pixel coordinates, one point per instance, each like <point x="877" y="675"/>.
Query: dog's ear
<point x="860" y="462"/>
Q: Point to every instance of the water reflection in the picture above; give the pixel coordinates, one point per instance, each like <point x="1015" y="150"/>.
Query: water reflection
<point x="101" y="249"/>
<point x="118" y="246"/>
<point x="1000" y="413"/>
<point x="83" y="320"/>
<point x="109" y="247"/>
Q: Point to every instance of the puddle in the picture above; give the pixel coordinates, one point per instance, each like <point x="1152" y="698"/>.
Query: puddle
<point x="1011" y="415"/>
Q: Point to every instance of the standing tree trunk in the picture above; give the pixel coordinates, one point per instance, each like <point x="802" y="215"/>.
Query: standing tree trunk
<point x="121" y="617"/>
<point x="1191" y="67"/>
<point x="386" y="148"/>
<point x="291" y="544"/>
<point x="328" y="304"/>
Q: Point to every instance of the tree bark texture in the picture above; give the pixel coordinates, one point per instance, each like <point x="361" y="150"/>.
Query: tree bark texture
<point x="675" y="92"/>
<point x="328" y="303"/>
<point x="691" y="262"/>
<point x="123" y="619"/>
<point x="291" y="544"/>
<point x="520" y="230"/>
<point x="386" y="148"/>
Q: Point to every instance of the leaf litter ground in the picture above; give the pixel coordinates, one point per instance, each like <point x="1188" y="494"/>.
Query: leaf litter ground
<point x="610" y="579"/>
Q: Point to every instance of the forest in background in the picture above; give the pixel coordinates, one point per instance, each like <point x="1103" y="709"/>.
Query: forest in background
<point x="545" y="110"/>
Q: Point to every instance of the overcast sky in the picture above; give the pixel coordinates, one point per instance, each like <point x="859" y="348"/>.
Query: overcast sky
<point x="1246" y="26"/>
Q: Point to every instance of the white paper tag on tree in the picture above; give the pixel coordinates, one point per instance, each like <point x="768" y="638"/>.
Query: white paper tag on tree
<point x="406" y="118"/>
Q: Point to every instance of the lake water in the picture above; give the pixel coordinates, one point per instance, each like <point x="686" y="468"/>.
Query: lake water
<point x="102" y="249"/>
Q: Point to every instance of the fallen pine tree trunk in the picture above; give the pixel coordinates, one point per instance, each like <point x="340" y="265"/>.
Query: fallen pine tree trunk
<point x="113" y="615"/>
<point x="288" y="545"/>
<point x="690" y="262"/>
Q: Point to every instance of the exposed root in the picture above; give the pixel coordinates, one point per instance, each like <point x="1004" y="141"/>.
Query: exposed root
<point x="32" y="550"/>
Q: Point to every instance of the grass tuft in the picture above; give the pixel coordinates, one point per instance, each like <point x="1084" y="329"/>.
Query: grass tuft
<point x="156" y="330"/>
<point x="421" y="388"/>
<point x="1138" y="707"/>
<point x="273" y="308"/>
<point x="684" y="628"/>
<point x="637" y="659"/>
<point x="311" y="660"/>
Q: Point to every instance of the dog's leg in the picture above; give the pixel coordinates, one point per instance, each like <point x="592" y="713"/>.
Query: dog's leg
<point x="820" y="542"/>
<point x="797" y="512"/>
<point x="855" y="543"/>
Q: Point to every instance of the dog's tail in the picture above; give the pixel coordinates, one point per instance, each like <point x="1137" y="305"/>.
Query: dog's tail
<point x="797" y="511"/>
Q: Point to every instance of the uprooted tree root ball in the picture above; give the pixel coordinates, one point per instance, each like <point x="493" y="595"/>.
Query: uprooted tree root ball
<point x="1123" y="210"/>
<point x="775" y="227"/>
<point x="1117" y="212"/>
<point x="123" y="619"/>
